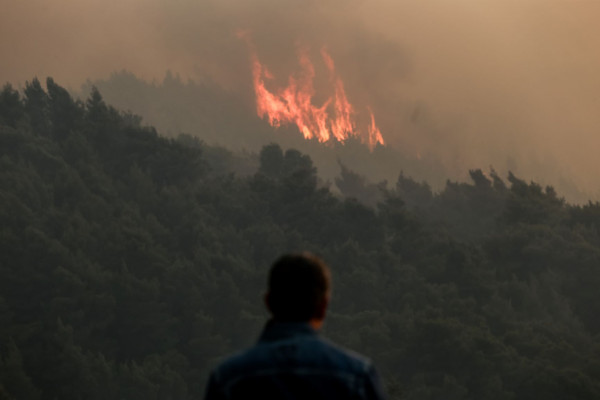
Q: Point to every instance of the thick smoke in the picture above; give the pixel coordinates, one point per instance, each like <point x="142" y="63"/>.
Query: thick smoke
<point x="470" y="83"/>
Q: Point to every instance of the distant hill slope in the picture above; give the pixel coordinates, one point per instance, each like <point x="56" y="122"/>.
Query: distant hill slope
<point x="224" y="118"/>
<point x="130" y="263"/>
<point x="219" y="117"/>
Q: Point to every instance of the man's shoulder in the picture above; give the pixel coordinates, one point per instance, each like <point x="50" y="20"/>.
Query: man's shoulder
<point x="344" y="358"/>
<point x="310" y="366"/>
<point x="239" y="361"/>
<point x="313" y="352"/>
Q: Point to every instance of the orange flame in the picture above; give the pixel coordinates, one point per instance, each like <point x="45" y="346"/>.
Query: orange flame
<point x="374" y="132"/>
<point x="333" y="120"/>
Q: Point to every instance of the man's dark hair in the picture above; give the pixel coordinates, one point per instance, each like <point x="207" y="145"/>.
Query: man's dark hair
<point x="298" y="286"/>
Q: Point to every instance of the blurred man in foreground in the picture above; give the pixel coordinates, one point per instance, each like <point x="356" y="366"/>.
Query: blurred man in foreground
<point x="291" y="360"/>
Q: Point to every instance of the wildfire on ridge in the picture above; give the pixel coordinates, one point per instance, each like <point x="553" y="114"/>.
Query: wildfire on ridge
<point x="335" y="119"/>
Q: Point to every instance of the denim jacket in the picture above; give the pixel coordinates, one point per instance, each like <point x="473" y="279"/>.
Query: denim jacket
<point x="291" y="361"/>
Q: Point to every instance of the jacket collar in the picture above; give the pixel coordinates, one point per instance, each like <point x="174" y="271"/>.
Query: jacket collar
<point x="276" y="330"/>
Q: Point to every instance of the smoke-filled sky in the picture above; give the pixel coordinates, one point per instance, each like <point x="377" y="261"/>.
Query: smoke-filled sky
<point x="509" y="83"/>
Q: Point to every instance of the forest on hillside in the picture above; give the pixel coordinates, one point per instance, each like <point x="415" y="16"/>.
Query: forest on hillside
<point x="223" y="118"/>
<point x="227" y="119"/>
<point x="131" y="263"/>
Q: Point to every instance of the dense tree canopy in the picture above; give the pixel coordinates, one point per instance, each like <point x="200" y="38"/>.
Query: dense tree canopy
<point x="131" y="263"/>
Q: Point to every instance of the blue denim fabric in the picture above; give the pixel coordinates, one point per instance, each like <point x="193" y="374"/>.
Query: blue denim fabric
<point x="291" y="361"/>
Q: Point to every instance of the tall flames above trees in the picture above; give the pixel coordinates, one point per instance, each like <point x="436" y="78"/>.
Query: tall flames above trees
<point x="334" y="120"/>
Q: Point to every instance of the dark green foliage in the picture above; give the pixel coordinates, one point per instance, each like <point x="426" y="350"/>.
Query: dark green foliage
<point x="11" y="108"/>
<point x="37" y="107"/>
<point x="130" y="264"/>
<point x="357" y="186"/>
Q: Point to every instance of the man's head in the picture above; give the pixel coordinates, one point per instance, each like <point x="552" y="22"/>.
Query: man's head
<point x="299" y="288"/>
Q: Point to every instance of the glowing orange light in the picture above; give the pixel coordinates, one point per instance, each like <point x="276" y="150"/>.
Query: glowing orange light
<point x="333" y="120"/>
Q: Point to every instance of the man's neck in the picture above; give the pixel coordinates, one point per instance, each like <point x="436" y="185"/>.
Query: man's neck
<point x="315" y="323"/>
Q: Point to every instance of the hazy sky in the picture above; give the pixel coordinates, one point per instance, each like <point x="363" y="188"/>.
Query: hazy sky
<point x="513" y="84"/>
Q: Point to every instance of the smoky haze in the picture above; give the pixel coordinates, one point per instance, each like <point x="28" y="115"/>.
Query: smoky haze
<point x="471" y="83"/>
